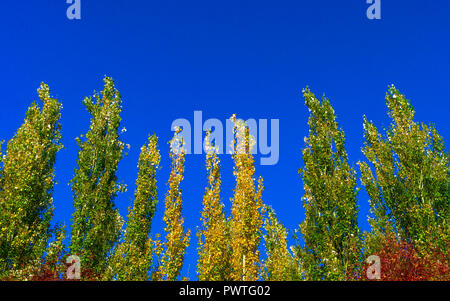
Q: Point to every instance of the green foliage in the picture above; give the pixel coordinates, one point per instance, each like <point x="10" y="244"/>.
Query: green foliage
<point x="330" y="229"/>
<point x="132" y="259"/>
<point x="1" y="162"/>
<point x="279" y="265"/>
<point x="409" y="181"/>
<point x="96" y="223"/>
<point x="407" y="176"/>
<point x="27" y="181"/>
<point x="2" y="158"/>
<point x="55" y="252"/>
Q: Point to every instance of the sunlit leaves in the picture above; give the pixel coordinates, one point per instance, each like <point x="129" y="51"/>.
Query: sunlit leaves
<point x="173" y="249"/>
<point x="279" y="265"/>
<point x="27" y="181"/>
<point x="330" y="231"/>
<point x="404" y="261"/>
<point x="132" y="258"/>
<point x="407" y="178"/>
<point x="246" y="216"/>
<point x="96" y="223"/>
<point x="214" y="242"/>
<point x="406" y="175"/>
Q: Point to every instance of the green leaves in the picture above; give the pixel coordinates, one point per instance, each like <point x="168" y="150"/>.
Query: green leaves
<point x="279" y="265"/>
<point x="408" y="180"/>
<point x="406" y="175"/>
<point x="330" y="230"/>
<point x="96" y="221"/>
<point x="27" y="181"/>
<point x="132" y="259"/>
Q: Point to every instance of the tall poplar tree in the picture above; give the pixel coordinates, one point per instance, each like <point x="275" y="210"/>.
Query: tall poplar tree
<point x="279" y="265"/>
<point x="408" y="179"/>
<point x="330" y="230"/>
<point x="246" y="220"/>
<point x="177" y="239"/>
<point x="214" y="247"/>
<point x="27" y="181"/>
<point x="132" y="258"/>
<point x="96" y="223"/>
<point x="1" y="162"/>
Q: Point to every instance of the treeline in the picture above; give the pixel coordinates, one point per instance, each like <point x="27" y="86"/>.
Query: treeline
<point x="406" y="174"/>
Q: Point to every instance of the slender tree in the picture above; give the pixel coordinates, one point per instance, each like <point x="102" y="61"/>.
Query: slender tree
<point x="132" y="258"/>
<point x="246" y="221"/>
<point x="2" y="158"/>
<point x="408" y="179"/>
<point x="27" y="181"/>
<point x="330" y="229"/>
<point x="214" y="248"/>
<point x="96" y="221"/>
<point x="279" y="264"/>
<point x="177" y="239"/>
<point x="1" y="162"/>
<point x="55" y="252"/>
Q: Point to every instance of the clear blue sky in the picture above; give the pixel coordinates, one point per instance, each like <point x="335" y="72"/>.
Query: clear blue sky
<point x="252" y="58"/>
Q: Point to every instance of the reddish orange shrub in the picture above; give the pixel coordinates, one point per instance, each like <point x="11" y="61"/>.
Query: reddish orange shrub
<point x="401" y="261"/>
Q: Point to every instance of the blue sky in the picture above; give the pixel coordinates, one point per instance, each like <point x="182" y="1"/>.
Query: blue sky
<point x="170" y="58"/>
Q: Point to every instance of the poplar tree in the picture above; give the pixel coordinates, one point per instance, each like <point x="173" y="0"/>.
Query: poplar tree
<point x="96" y="223"/>
<point x="330" y="230"/>
<point x="2" y="158"/>
<point x="408" y="178"/>
<point x="27" y="182"/>
<point x="246" y="211"/>
<point x="279" y="264"/>
<point x="132" y="258"/>
<point x="1" y="162"/>
<point x="173" y="249"/>
<point x="214" y="248"/>
<point x="54" y="259"/>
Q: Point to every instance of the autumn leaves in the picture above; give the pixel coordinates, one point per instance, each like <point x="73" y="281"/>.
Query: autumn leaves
<point x="406" y="176"/>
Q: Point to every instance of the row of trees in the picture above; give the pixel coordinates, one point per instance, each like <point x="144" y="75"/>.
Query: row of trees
<point x="406" y="175"/>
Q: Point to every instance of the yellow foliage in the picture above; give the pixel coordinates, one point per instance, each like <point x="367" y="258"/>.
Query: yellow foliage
<point x="246" y="220"/>
<point x="177" y="240"/>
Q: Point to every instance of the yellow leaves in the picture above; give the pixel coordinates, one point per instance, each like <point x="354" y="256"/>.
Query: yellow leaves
<point x="214" y="248"/>
<point x="177" y="240"/>
<point x="246" y="221"/>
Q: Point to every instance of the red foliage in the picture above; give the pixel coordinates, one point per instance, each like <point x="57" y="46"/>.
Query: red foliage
<point x="49" y="273"/>
<point x="57" y="271"/>
<point x="53" y="271"/>
<point x="401" y="261"/>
